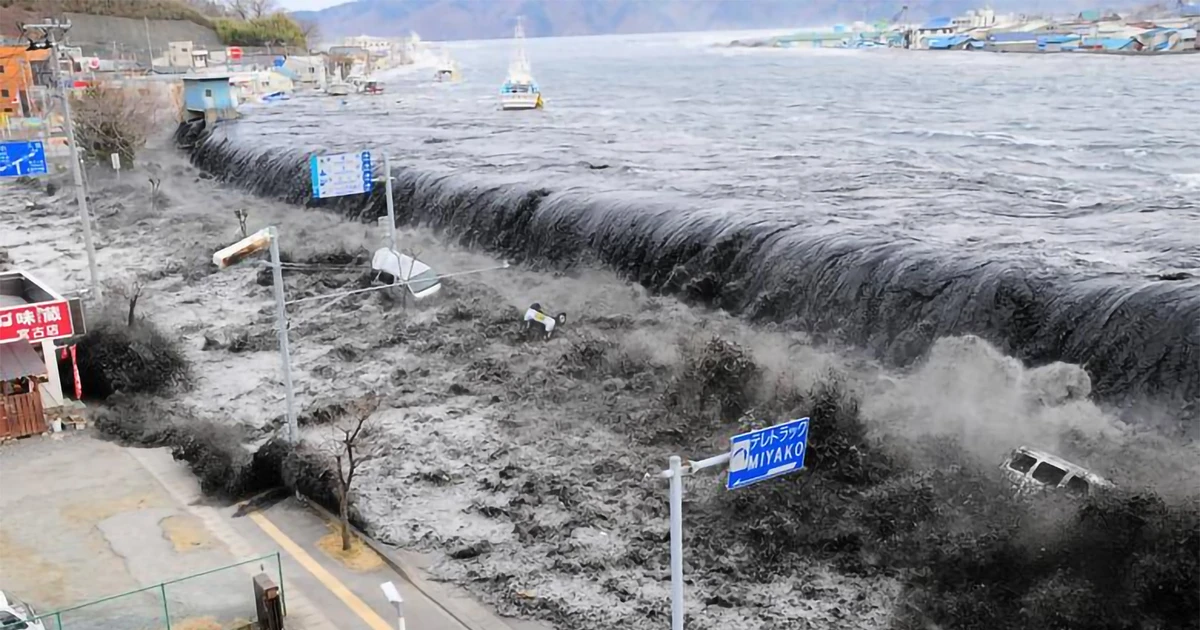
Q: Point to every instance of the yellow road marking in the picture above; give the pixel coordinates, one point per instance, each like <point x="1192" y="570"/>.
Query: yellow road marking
<point x="312" y="566"/>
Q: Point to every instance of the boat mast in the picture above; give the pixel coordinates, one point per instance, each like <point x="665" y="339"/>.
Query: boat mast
<point x="520" y="63"/>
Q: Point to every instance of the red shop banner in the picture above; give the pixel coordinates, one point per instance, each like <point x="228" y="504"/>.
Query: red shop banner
<point x="36" y="322"/>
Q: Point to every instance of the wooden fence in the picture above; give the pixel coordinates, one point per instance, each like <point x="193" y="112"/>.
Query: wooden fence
<point x="21" y="415"/>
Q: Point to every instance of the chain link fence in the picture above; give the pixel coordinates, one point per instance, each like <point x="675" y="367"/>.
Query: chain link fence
<point x="219" y="599"/>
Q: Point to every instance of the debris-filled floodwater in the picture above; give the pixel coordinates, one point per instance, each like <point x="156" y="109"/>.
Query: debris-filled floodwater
<point x="937" y="258"/>
<point x="877" y="198"/>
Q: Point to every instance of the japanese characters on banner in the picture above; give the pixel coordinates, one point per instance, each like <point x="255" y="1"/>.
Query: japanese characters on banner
<point x="36" y="322"/>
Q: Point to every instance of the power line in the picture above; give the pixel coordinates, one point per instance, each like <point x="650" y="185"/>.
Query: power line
<point x="331" y="296"/>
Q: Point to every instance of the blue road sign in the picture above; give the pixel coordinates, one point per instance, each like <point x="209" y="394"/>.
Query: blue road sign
<point x="341" y="174"/>
<point x="22" y="158"/>
<point x="766" y="453"/>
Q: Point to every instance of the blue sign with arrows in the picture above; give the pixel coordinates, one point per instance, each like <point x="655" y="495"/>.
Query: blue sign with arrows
<point x="20" y="159"/>
<point x="767" y="453"/>
<point x="341" y="174"/>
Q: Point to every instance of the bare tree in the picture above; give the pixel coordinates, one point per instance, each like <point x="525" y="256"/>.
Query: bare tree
<point x="115" y="119"/>
<point x="262" y="8"/>
<point x="129" y="292"/>
<point x="155" y="193"/>
<point x="242" y="215"/>
<point x="251" y="9"/>
<point x="352" y="446"/>
<point x="312" y="33"/>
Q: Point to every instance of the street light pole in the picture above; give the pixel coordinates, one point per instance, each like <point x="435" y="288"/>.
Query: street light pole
<point x="281" y="320"/>
<point x="676" y="543"/>
<point x="76" y="166"/>
<point x="268" y="238"/>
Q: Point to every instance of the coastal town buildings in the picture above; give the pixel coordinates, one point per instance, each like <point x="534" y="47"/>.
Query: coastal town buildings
<point x="21" y="71"/>
<point x="1156" y="30"/>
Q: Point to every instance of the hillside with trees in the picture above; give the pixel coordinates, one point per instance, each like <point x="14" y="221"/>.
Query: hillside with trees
<point x="235" y="22"/>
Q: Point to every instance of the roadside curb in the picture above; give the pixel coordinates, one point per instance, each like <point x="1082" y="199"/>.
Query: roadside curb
<point x="467" y="612"/>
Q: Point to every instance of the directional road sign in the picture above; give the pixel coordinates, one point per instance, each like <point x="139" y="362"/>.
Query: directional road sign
<point x="341" y="174"/>
<point x="767" y="453"/>
<point x="22" y="158"/>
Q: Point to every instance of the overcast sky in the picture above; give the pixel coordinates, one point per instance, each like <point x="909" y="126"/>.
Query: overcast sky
<point x="307" y="5"/>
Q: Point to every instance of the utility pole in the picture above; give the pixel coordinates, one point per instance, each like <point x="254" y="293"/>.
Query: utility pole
<point x="391" y="208"/>
<point x="48" y="42"/>
<point x="149" y="45"/>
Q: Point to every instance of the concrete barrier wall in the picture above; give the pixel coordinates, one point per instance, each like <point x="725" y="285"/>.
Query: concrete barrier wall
<point x="96" y="34"/>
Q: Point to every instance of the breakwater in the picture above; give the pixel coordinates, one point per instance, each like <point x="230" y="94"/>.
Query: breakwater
<point x="1136" y="339"/>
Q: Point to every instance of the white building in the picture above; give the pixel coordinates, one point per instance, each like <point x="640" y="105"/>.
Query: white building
<point x="378" y="46"/>
<point x="185" y="55"/>
<point x="310" y="71"/>
<point x="982" y="18"/>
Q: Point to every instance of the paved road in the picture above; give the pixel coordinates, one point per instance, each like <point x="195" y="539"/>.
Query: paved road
<point x="83" y="519"/>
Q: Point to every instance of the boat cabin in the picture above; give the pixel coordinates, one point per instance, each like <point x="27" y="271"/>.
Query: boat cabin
<point x="519" y="88"/>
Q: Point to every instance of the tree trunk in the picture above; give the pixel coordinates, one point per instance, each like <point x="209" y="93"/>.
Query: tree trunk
<point x="132" y="307"/>
<point x="345" y="521"/>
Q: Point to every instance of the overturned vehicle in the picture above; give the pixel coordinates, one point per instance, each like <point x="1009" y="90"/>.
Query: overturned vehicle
<point x="1032" y="471"/>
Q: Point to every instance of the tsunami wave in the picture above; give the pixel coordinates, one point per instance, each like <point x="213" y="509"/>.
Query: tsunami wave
<point x="1138" y="340"/>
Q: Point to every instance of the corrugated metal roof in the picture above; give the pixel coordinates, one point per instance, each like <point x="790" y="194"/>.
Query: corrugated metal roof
<point x="1057" y="39"/>
<point x="1012" y="37"/>
<point x="18" y="359"/>
<point x="1108" y="43"/>
<point x="938" y="22"/>
<point x="949" y="41"/>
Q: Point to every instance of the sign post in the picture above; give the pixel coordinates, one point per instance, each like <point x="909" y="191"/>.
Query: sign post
<point x="116" y="164"/>
<point x="23" y="159"/>
<point x="754" y="456"/>
<point x="391" y="208"/>
<point x="351" y="174"/>
<point x="341" y="174"/>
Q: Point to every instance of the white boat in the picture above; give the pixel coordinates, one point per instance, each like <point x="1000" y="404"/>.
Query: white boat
<point x="447" y="69"/>
<point x="339" y="88"/>
<point x="520" y="90"/>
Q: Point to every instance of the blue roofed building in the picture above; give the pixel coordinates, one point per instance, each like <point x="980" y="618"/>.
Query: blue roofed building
<point x="210" y="97"/>
<point x="936" y="27"/>
<point x="1017" y="41"/>
<point x="1057" y="42"/>
<point x="953" y="42"/>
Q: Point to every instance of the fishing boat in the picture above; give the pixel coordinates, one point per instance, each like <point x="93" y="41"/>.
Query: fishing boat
<point x="520" y="90"/>
<point x="447" y="69"/>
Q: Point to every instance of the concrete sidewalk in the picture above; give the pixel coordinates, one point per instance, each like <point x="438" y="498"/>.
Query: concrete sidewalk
<point x="339" y="581"/>
<point x="83" y="519"/>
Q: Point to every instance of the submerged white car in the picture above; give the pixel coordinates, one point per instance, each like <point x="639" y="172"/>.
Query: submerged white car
<point x="1031" y="471"/>
<point x="17" y="615"/>
<point x="397" y="268"/>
